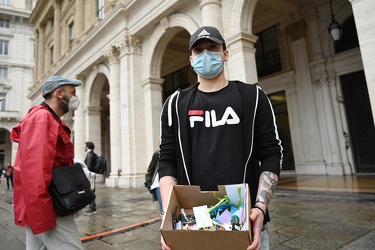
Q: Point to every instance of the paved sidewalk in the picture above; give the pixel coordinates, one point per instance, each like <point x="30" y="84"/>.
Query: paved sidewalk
<point x="300" y="220"/>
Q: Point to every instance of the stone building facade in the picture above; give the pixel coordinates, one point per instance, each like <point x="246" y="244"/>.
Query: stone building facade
<point x="131" y="54"/>
<point x="16" y="69"/>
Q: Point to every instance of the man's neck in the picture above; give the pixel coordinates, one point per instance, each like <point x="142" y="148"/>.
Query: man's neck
<point x="55" y="107"/>
<point x="214" y="84"/>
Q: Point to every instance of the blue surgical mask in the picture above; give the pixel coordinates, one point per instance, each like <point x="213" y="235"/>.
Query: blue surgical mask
<point x="208" y="64"/>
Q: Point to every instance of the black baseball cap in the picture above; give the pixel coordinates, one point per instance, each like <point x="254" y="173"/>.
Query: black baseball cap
<point x="206" y="32"/>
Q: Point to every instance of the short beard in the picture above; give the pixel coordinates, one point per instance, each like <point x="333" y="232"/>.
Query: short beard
<point x="64" y="105"/>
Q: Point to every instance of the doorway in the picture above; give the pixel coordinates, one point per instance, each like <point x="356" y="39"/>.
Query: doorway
<point x="360" y="121"/>
<point x="278" y="101"/>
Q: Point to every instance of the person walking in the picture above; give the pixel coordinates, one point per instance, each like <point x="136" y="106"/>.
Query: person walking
<point x="9" y="175"/>
<point x="90" y="161"/>
<point x="152" y="179"/>
<point x="220" y="132"/>
<point x="43" y="144"/>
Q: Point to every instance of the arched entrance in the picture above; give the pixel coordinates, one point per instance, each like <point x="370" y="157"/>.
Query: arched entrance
<point x="97" y="115"/>
<point x="5" y="148"/>
<point x="176" y="70"/>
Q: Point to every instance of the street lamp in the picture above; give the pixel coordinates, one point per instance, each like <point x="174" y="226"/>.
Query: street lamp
<point x="334" y="27"/>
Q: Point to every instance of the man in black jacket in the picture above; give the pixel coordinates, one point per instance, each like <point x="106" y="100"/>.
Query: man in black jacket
<point x="90" y="162"/>
<point x="220" y="132"/>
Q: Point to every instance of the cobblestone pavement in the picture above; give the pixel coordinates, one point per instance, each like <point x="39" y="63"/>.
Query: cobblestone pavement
<point x="300" y="220"/>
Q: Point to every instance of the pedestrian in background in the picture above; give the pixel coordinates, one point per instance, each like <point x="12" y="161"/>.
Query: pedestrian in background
<point x="220" y="132"/>
<point x="43" y="144"/>
<point x="9" y="175"/>
<point x="2" y="171"/>
<point x="90" y="162"/>
<point x="152" y="179"/>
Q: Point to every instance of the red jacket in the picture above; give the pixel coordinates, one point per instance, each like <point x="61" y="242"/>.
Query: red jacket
<point x="44" y="143"/>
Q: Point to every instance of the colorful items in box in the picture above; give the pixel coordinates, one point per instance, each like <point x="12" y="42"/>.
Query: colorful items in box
<point x="227" y="214"/>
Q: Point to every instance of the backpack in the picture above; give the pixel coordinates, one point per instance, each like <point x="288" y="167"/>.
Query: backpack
<point x="100" y="165"/>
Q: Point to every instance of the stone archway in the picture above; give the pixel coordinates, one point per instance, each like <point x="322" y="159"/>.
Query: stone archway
<point x="152" y="85"/>
<point x="94" y="113"/>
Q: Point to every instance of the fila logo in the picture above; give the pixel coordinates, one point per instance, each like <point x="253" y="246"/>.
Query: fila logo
<point x="204" y="33"/>
<point x="210" y="120"/>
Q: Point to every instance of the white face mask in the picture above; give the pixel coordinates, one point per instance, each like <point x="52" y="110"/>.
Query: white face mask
<point x="73" y="102"/>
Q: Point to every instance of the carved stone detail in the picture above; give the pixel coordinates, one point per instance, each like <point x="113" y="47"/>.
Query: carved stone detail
<point x="112" y="55"/>
<point x="130" y="45"/>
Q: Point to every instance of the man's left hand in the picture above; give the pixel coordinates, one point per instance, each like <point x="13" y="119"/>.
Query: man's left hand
<point x="256" y="217"/>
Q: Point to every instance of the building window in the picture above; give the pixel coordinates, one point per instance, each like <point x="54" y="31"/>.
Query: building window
<point x="267" y="53"/>
<point x="4" y="23"/>
<point x="3" y="72"/>
<point x="52" y="21"/>
<point x="3" y="102"/>
<point x="349" y="39"/>
<point x="5" y="2"/>
<point x="51" y="54"/>
<point x="71" y="34"/>
<point x="179" y="79"/>
<point x="3" y="136"/>
<point x="100" y="11"/>
<point x="4" y="47"/>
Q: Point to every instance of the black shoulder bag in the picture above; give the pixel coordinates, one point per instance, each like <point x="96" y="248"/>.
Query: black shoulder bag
<point x="70" y="189"/>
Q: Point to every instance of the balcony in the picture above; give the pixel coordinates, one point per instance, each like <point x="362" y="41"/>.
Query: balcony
<point x="9" y="115"/>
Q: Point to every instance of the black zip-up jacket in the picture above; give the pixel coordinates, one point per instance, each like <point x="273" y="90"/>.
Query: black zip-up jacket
<point x="261" y="141"/>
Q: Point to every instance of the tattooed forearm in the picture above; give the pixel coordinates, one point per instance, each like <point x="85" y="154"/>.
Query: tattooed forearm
<point x="267" y="186"/>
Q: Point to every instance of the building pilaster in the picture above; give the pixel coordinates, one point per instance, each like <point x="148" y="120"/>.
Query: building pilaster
<point x="242" y="64"/>
<point x="211" y="13"/>
<point x="57" y="31"/>
<point x="79" y="122"/>
<point x="153" y="89"/>
<point x="40" y="51"/>
<point x="132" y="110"/>
<point x="115" y="119"/>
<point x="78" y="20"/>
<point x="326" y="83"/>
<point x="363" y="11"/>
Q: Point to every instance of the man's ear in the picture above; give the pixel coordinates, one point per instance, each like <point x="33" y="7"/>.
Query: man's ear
<point x="59" y="93"/>
<point x="226" y="55"/>
<point x="191" y="60"/>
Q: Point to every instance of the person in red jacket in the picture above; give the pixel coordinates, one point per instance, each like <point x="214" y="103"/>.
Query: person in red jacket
<point x="43" y="144"/>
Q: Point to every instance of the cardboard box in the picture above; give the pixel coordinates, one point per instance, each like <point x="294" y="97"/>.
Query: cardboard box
<point x="187" y="197"/>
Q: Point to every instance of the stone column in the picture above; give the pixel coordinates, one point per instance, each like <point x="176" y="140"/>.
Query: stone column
<point x="363" y="11"/>
<point x="80" y="123"/>
<point x="211" y="13"/>
<point x="307" y="112"/>
<point x="242" y="64"/>
<point x="132" y="114"/>
<point x="310" y="12"/>
<point x="115" y="119"/>
<point x="93" y="127"/>
<point x="36" y="60"/>
<point x="153" y="89"/>
<point x="334" y="158"/>
<point x="78" y="20"/>
<point x="57" y="31"/>
<point x="41" y="51"/>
